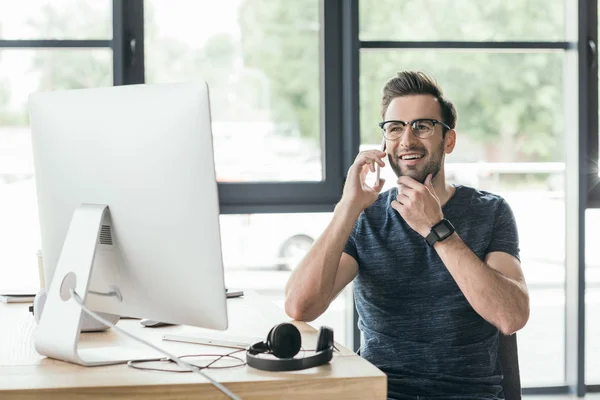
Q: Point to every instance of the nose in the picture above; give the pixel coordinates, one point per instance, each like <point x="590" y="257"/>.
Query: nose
<point x="408" y="140"/>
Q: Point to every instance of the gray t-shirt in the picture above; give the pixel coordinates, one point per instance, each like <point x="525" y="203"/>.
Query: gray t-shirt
<point x="417" y="325"/>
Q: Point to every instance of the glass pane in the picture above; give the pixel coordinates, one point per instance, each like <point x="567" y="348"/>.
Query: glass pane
<point x="510" y="135"/>
<point x="463" y="20"/>
<point x="261" y="62"/>
<point x="592" y="291"/>
<point x="56" y="19"/>
<point x="592" y="297"/>
<point x="261" y="250"/>
<point x="21" y="73"/>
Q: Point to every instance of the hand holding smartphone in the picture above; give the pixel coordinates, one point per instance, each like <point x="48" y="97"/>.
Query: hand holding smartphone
<point x="377" y="167"/>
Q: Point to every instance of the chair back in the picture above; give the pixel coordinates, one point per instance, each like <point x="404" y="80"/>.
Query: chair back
<point x="509" y="362"/>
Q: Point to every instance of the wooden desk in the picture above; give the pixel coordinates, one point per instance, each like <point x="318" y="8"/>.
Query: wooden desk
<point x="24" y="374"/>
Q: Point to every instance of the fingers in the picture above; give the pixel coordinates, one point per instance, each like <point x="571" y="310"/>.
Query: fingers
<point x="410" y="182"/>
<point x="364" y="170"/>
<point x="415" y="186"/>
<point x="370" y="157"/>
<point x="406" y="192"/>
<point x="404" y="200"/>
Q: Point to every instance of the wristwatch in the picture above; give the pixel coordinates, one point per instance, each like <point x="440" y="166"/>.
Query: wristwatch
<point x="439" y="232"/>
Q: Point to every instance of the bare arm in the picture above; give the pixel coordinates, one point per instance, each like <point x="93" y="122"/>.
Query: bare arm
<point x="495" y="288"/>
<point x="326" y="270"/>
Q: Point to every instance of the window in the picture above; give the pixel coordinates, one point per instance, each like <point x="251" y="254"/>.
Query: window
<point x="592" y="297"/>
<point x="38" y="68"/>
<point x="261" y="62"/>
<point x="261" y="250"/>
<point x="592" y="254"/>
<point x="266" y="73"/>
<point x="511" y="128"/>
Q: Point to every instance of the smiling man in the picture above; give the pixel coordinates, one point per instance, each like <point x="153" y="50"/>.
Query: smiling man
<point x="436" y="269"/>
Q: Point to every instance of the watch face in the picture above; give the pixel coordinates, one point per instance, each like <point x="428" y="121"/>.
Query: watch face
<point x="442" y="230"/>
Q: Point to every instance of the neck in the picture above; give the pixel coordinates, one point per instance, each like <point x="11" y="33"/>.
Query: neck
<point x="443" y="190"/>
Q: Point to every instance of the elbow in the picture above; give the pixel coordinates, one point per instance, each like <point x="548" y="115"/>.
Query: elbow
<point x="513" y="323"/>
<point x="292" y="309"/>
<point x="508" y="329"/>
<point x="300" y="310"/>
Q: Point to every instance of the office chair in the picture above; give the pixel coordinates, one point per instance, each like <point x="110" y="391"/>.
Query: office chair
<point x="509" y="362"/>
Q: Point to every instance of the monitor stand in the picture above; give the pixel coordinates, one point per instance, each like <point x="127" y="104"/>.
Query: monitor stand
<point x="57" y="335"/>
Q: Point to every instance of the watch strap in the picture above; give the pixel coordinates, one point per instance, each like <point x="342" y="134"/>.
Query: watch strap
<point x="434" y="236"/>
<point x="431" y="238"/>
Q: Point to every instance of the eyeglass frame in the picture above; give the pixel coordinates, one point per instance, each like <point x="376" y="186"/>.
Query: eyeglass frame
<point x="407" y="123"/>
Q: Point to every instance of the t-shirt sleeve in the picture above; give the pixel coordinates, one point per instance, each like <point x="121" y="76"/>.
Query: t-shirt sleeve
<point x="350" y="247"/>
<point x="505" y="236"/>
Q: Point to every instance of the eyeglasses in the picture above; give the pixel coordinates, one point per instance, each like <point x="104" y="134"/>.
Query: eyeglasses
<point x="421" y="128"/>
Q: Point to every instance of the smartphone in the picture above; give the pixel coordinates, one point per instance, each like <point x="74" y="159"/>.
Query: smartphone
<point x="377" y="167"/>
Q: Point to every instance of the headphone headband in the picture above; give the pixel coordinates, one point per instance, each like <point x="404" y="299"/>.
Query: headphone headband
<point x="286" y="364"/>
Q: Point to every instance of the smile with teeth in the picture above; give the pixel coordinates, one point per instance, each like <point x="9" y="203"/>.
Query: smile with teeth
<point x="411" y="156"/>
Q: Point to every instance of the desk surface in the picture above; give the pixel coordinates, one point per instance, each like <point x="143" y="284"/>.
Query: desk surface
<point x="25" y="374"/>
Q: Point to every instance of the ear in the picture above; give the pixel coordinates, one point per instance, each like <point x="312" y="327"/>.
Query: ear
<point x="450" y="141"/>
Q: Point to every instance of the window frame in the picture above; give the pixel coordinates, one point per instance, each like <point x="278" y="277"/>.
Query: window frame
<point x="265" y="197"/>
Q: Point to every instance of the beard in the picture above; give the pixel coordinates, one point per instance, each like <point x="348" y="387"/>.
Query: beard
<point x="433" y="164"/>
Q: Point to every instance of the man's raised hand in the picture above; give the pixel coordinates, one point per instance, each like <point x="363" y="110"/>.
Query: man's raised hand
<point x="418" y="204"/>
<point x="357" y="194"/>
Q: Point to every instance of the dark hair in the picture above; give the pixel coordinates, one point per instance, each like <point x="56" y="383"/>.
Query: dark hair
<point x="414" y="82"/>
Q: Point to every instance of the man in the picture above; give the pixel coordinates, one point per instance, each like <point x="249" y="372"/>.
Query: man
<point x="436" y="269"/>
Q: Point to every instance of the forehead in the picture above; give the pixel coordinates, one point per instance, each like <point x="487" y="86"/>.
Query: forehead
<point x="407" y="108"/>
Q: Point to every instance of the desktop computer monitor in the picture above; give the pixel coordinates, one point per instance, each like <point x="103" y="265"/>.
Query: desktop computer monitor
<point x="129" y="211"/>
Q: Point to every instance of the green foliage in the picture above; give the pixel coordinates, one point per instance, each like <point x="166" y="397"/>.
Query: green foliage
<point x="468" y="20"/>
<point x="72" y="69"/>
<point x="65" y="68"/>
<point x="281" y="39"/>
<point x="508" y="103"/>
<point x="77" y="20"/>
<point x="233" y="97"/>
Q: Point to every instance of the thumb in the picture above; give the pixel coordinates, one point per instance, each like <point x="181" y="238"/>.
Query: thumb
<point x="428" y="182"/>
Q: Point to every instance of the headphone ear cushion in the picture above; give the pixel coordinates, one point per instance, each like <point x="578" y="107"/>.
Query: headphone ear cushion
<point x="325" y="340"/>
<point x="284" y="340"/>
<point x="269" y="340"/>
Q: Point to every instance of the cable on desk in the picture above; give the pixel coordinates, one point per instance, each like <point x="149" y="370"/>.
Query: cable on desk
<point x="170" y="356"/>
<point x="137" y="364"/>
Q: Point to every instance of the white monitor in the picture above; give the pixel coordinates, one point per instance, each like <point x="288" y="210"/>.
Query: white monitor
<point x="129" y="211"/>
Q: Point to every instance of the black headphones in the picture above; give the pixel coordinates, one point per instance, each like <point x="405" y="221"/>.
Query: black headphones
<point x="284" y="342"/>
